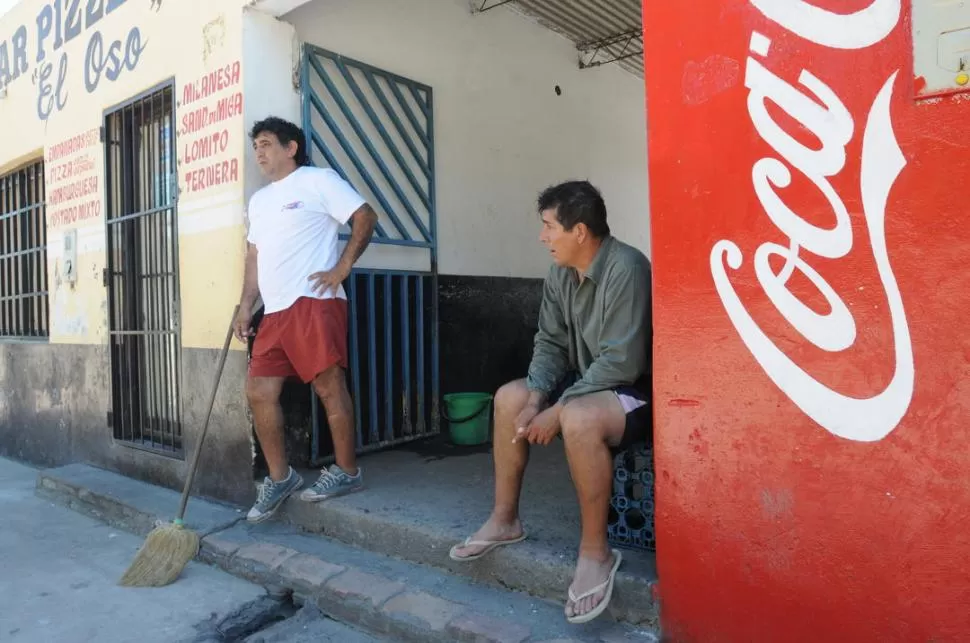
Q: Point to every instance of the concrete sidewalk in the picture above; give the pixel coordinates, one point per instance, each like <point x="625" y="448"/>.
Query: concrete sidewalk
<point x="59" y="572"/>
<point x="382" y="595"/>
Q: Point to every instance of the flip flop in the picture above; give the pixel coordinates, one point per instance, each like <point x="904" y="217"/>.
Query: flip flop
<point x="488" y="544"/>
<point x="601" y="607"/>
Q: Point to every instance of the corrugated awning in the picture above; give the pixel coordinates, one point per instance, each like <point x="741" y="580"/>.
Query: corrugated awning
<point x="605" y="31"/>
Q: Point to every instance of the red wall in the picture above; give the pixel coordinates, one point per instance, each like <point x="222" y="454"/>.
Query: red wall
<point x="813" y="402"/>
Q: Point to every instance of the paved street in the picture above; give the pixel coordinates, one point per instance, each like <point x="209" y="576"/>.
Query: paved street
<point x="310" y="626"/>
<point x="58" y="575"/>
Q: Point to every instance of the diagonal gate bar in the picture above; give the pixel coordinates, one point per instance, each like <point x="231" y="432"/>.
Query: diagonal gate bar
<point x="376" y="129"/>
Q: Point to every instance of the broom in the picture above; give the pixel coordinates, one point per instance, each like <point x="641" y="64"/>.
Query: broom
<point x="169" y="548"/>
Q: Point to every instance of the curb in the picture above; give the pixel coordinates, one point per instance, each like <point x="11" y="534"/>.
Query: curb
<point x="104" y="508"/>
<point x="368" y="600"/>
<point x="126" y="503"/>
<point x="634" y="600"/>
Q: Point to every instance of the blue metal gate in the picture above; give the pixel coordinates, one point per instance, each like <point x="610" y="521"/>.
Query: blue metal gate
<point x="376" y="129"/>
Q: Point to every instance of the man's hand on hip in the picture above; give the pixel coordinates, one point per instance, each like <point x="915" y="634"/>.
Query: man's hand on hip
<point x="324" y="282"/>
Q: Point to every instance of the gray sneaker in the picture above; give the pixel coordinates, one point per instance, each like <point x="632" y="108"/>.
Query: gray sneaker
<point x="333" y="482"/>
<point x="271" y="496"/>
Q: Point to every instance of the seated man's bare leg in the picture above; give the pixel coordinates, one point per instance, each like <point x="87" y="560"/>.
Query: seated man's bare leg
<point x="510" y="463"/>
<point x="590" y="424"/>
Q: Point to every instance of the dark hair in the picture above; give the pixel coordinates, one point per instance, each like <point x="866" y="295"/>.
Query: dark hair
<point x="576" y="202"/>
<point x="285" y="132"/>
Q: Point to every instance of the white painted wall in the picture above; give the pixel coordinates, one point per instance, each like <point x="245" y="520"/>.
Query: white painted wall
<point x="7" y="5"/>
<point x="502" y="133"/>
<point x="270" y="63"/>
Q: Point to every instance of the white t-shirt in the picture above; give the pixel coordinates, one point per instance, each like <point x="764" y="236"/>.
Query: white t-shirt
<point x="294" y="224"/>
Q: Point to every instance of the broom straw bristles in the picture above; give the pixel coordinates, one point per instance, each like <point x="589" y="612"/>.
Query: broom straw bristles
<point x="163" y="556"/>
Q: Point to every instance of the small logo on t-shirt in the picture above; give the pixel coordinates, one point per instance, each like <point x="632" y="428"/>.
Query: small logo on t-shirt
<point x="296" y="205"/>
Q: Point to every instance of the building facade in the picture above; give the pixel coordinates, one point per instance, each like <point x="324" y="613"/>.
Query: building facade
<point x="122" y="222"/>
<point x="804" y="215"/>
<point x="127" y="158"/>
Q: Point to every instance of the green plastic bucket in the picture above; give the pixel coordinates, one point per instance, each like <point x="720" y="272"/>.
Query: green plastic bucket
<point x="469" y="417"/>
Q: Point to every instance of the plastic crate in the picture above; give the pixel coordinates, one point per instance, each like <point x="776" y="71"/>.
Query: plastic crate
<point x="631" y="518"/>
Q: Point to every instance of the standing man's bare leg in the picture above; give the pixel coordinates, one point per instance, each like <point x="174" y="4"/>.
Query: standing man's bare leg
<point x="331" y="387"/>
<point x="589" y="425"/>
<point x="264" y="401"/>
<point x="345" y="477"/>
<point x="510" y="462"/>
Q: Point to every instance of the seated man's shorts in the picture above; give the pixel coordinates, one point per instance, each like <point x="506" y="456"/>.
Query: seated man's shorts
<point x="636" y="403"/>
<point x="303" y="341"/>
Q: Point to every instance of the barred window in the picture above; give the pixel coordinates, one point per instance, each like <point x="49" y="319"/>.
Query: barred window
<point x="23" y="254"/>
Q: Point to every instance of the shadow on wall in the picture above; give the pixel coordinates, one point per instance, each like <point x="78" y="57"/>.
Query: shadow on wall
<point x="487" y="326"/>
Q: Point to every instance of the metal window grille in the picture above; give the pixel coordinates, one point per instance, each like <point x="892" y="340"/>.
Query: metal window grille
<point x="24" y="305"/>
<point x="142" y="273"/>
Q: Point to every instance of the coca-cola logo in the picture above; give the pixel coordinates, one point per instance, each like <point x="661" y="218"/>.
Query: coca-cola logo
<point x="818" y="108"/>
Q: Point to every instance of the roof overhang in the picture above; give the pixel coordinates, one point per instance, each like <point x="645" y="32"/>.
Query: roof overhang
<point x="604" y="31"/>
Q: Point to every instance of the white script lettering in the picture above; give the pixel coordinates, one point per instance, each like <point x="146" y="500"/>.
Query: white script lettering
<point x="858" y="30"/>
<point x="882" y="161"/>
<point x="833" y="126"/>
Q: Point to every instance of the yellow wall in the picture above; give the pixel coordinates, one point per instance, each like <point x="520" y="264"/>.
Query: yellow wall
<point x="61" y="67"/>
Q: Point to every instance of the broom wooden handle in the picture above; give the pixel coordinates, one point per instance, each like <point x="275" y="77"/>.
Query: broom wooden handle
<point x="193" y="467"/>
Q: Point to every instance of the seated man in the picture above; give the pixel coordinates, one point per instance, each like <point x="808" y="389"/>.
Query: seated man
<point x="589" y="380"/>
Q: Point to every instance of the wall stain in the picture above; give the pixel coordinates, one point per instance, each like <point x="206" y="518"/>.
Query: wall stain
<point x="705" y="80"/>
<point x="213" y="36"/>
<point x="777" y="504"/>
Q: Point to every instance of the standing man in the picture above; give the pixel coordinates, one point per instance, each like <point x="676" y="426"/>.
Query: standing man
<point x="292" y="262"/>
<point x="589" y="381"/>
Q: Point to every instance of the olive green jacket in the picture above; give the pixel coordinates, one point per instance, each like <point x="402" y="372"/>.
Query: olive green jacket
<point x="598" y="326"/>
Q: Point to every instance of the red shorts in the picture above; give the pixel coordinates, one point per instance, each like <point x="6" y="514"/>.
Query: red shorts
<point x="303" y="341"/>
